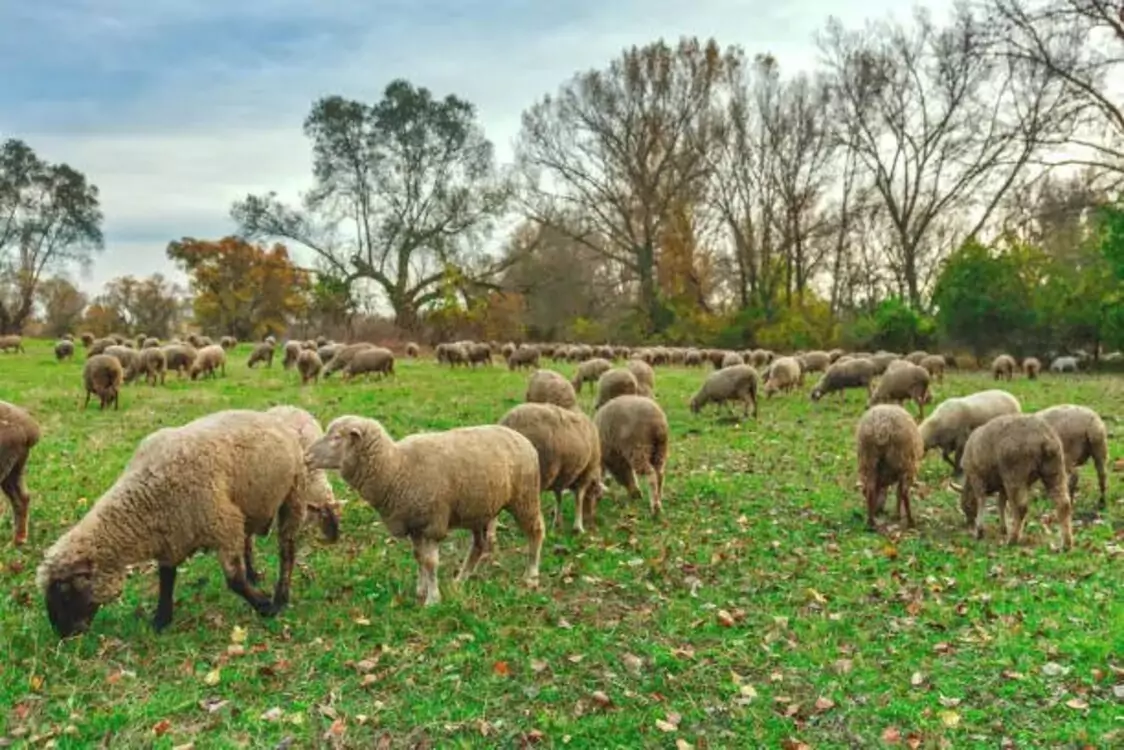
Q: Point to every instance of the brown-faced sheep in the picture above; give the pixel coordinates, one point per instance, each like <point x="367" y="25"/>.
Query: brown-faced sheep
<point x="19" y="433"/>
<point x="616" y="382"/>
<point x="154" y="364"/>
<point x="783" y="375"/>
<point x="1032" y="367"/>
<point x="890" y="449"/>
<point x="1003" y="366"/>
<point x="569" y="451"/>
<point x="915" y="358"/>
<point x="589" y="371"/>
<point x="525" y="356"/>
<point x="735" y="383"/>
<point x="319" y="499"/>
<point x="902" y="382"/>
<point x="309" y="366"/>
<point x="1005" y="456"/>
<point x="292" y="350"/>
<point x="412" y="350"/>
<point x="87" y="339"/>
<point x="343" y="356"/>
<point x="691" y="358"/>
<point x="64" y="350"/>
<point x="731" y="359"/>
<point x="372" y="360"/>
<point x="954" y="419"/>
<point x="550" y="387"/>
<point x="13" y="342"/>
<point x="261" y="353"/>
<point x="634" y="440"/>
<point x="209" y="484"/>
<point x="208" y="362"/>
<point x="935" y="365"/>
<point x="179" y="358"/>
<point x="104" y="376"/>
<point x="426" y="484"/>
<point x="1083" y="436"/>
<point x="99" y="346"/>
<point x="645" y="376"/>
<point x="843" y="375"/>
<point x="128" y="357"/>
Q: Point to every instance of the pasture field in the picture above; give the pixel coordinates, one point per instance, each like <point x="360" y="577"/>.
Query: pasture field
<point x="757" y="612"/>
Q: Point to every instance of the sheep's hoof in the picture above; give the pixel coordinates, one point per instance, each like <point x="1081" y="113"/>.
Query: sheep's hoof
<point x="161" y="621"/>
<point x="268" y="607"/>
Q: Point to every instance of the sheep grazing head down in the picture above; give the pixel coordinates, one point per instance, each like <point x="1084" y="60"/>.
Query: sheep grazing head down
<point x="74" y="594"/>
<point x="338" y="444"/>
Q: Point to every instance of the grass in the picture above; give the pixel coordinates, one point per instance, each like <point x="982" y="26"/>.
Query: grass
<point x="756" y="613"/>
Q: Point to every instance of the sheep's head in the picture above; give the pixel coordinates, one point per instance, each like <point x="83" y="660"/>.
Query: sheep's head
<point x="696" y="404"/>
<point x="73" y="594"/>
<point x="817" y="393"/>
<point x="338" y="442"/>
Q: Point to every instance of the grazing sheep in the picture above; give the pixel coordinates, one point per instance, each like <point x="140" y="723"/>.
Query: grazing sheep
<point x="209" y="359"/>
<point x="634" y="440"/>
<point x="180" y="358"/>
<point x="851" y="373"/>
<point x="902" y="382"/>
<point x="309" y="366"/>
<point x="759" y="358"/>
<point x="321" y="340"/>
<point x="889" y="452"/>
<point x="154" y="364"/>
<point x="320" y="500"/>
<point x="783" y="375"/>
<point x="915" y="358"/>
<point x="589" y="371"/>
<point x="479" y="354"/>
<point x="550" y="387"/>
<point x="1003" y="366"/>
<point x="731" y="359"/>
<point x="645" y="376"/>
<point x="425" y="484"/>
<point x="1083" y="436"/>
<point x="373" y="359"/>
<point x="270" y="340"/>
<point x="292" y="351"/>
<point x="87" y="339"/>
<point x="691" y="358"/>
<point x="64" y="350"/>
<point x="569" y="451"/>
<point x="882" y="361"/>
<point x="935" y="365"/>
<point x="128" y="358"/>
<point x="1063" y="364"/>
<point x="1006" y="456"/>
<point x="412" y="350"/>
<point x="13" y="342"/>
<point x="19" y="433"/>
<point x="451" y="354"/>
<point x="954" y="419"/>
<point x="151" y="342"/>
<point x="104" y="376"/>
<point x="261" y="353"/>
<point x="616" y="382"/>
<point x="228" y="342"/>
<point x="735" y="383"/>
<point x="816" y="361"/>
<point x="99" y="346"/>
<point x="1031" y="367"/>
<point x="524" y="356"/>
<point x="210" y="484"/>
<point x="328" y="352"/>
<point x="342" y="358"/>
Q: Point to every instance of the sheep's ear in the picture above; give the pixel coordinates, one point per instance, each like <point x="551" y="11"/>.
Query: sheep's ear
<point x="354" y="433"/>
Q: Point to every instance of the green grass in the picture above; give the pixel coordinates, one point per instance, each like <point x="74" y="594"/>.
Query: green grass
<point x="756" y="612"/>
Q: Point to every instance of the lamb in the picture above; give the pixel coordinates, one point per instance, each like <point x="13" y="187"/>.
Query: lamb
<point x="64" y="350"/>
<point x="616" y="382"/>
<point x="935" y="365"/>
<point x="19" y="433"/>
<point x="852" y="373"/>
<point x="634" y="440"/>
<point x="569" y="450"/>
<point x="343" y="356"/>
<point x="783" y="375"/>
<point x="731" y="359"/>
<point x="954" y="419"/>
<point x="210" y="484"/>
<point x="292" y="351"/>
<point x="1006" y="456"/>
<point x="412" y="350"/>
<point x="1031" y="368"/>
<point x="1064" y="364"/>
<point x="373" y="359"/>
<point x="1003" y="366"/>
<point x="309" y="366"/>
<point x="262" y="353"/>
<point x="104" y="376"/>
<point x="208" y="360"/>
<point x="153" y="363"/>
<point x="425" y="484"/>
<point x="13" y="342"/>
<point x="550" y="387"/>
<point x="524" y="356"/>
<point x="904" y="381"/>
<point x="645" y="376"/>
<point x="179" y="357"/>
<point x="589" y="371"/>
<point x="736" y="383"/>
<point x="1083" y="436"/>
<point x="890" y="450"/>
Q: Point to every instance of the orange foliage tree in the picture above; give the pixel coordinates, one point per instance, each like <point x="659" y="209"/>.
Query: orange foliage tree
<point x="241" y="288"/>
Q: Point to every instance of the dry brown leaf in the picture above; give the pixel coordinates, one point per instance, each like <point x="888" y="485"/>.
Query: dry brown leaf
<point x="501" y="669"/>
<point x="161" y="727"/>
<point x="1077" y="704"/>
<point x="917" y="679"/>
<point x="891" y="735"/>
<point x="823" y="703"/>
<point x="601" y="699"/>
<point x="725" y="619"/>
<point x="664" y="726"/>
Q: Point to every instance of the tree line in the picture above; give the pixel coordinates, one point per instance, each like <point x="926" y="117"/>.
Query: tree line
<point x="944" y="180"/>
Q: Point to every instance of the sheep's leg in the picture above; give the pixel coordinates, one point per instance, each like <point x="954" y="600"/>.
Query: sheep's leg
<point x="15" y="488"/>
<point x="290" y="517"/>
<point x="753" y="399"/>
<point x="870" y="494"/>
<point x="426" y="553"/>
<point x="472" y="559"/>
<point x="880" y="500"/>
<point x="556" y="523"/>
<point x="1099" y="456"/>
<point x="528" y="514"/>
<point x="1017" y="508"/>
<point x="580" y="493"/>
<point x="234" y="570"/>
<point x="248" y="560"/>
<point x="87" y="404"/>
<point x="163" y="616"/>
<point x="1063" y="509"/>
<point x="905" y="515"/>
<point x="974" y="499"/>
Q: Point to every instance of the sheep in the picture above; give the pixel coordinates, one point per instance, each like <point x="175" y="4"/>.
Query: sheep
<point x="589" y="371"/>
<point x="19" y="433"/>
<point x="645" y="376"/>
<point x="935" y="365"/>
<point x="852" y="373"/>
<point x="1063" y="364"/>
<point x="761" y="357"/>
<point x="816" y="361"/>
<point x="890" y="450"/>
<point x="1031" y="367"/>
<point x="524" y="356"/>
<point x="207" y="361"/>
<point x="292" y="351"/>
<point x="736" y="383"/>
<point x="13" y="342"/>
<point x="731" y="359"/>
<point x="550" y="387"/>
<point x="569" y="450"/>
<point x="209" y="484"/>
<point x="373" y="359"/>
<point x="153" y="363"/>
<point x="228" y="342"/>
<point x="915" y="358"/>
<point x="64" y="350"/>
<point x="634" y="440"/>
<point x="904" y="381"/>
<point x="328" y="352"/>
<point x="103" y="375"/>
<point x="99" y="346"/>
<point x="479" y="354"/>
<point x="425" y="484"/>
<point x="1003" y="366"/>
<point x="783" y="375"/>
<point x="691" y="358"/>
<point x="342" y="358"/>
<point x="309" y="366"/>
<point x="1083" y="436"/>
<point x="412" y="350"/>
<point x="954" y="419"/>
<point x="87" y="339"/>
<point x="179" y="357"/>
<point x="150" y="342"/>
<point x="261" y="353"/>
<point x="319" y="499"/>
<point x="128" y="359"/>
<point x="1006" y="455"/>
<point x="618" y="381"/>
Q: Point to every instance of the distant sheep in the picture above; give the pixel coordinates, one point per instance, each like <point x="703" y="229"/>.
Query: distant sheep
<point x="613" y="383"/>
<point x="64" y="350"/>
<point x="935" y="365"/>
<point x="783" y="375"/>
<point x="843" y="375"/>
<point x="412" y="350"/>
<point x="1031" y="368"/>
<point x="104" y="376"/>
<point x="292" y="350"/>
<point x="309" y="366"/>
<point x="550" y="387"/>
<point x="645" y="376"/>
<point x="954" y="420"/>
<point x="1064" y="364"/>
<point x="589" y="371"/>
<point x="889" y="450"/>
<point x="153" y="364"/>
<point x="1083" y="436"/>
<point x="208" y="362"/>
<point x="907" y="381"/>
<point x="479" y="354"/>
<point x="634" y="440"/>
<point x="524" y="356"/>
<point x="1003" y="367"/>
<point x="731" y="359"/>
<point x="261" y="353"/>
<point x="12" y="342"/>
<point x="179" y="357"/>
<point x="373" y="360"/>
<point x="19" y="433"/>
<point x="87" y="340"/>
<point x="817" y="361"/>
<point x="735" y="383"/>
<point x="343" y="357"/>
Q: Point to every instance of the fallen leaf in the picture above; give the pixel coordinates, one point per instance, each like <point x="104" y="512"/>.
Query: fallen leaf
<point x="664" y="726"/>
<point x="575" y="658"/>
<point x="817" y="596"/>
<point x="950" y="718"/>
<point x="238" y="634"/>
<point x="161" y="727"/>
<point x="890" y="551"/>
<point x="185" y="746"/>
<point x="747" y="691"/>
<point x="682" y="744"/>
<point x="273" y="714"/>
<point x="366" y="665"/>
<point x="235" y="649"/>
<point x="844" y="666"/>
<point x="1118" y="692"/>
<point x="362" y="621"/>
<point x="823" y="703"/>
<point x="601" y="699"/>
<point x="337" y="729"/>
<point x="1053" y="669"/>
<point x="949" y="702"/>
<point x="913" y="741"/>
<point x="1077" y="704"/>
<point x="35" y="682"/>
<point x="892" y="735"/>
<point x="538" y="665"/>
<point x="632" y="663"/>
<point x="212" y="705"/>
<point x="501" y="669"/>
<point x="212" y="678"/>
<point x="917" y="679"/>
<point x="725" y="619"/>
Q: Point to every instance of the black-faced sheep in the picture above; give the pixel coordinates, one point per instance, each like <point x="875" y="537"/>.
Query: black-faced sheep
<point x="1006" y="456"/>
<point x="206" y="485"/>
<point x="1003" y="367"/>
<point x="851" y="373"/>
<point x="426" y="484"/>
<point x="550" y="387"/>
<point x="19" y="433"/>
<point x="954" y="419"/>
<point x="784" y="374"/>
<point x="209" y="361"/>
<point x="1083" y="436"/>
<point x="634" y="440"/>
<point x="87" y="339"/>
<point x="890" y="449"/>
<point x="589" y="371"/>
<point x="309" y="366"/>
<point x="103" y="375"/>
<point x="902" y="382"/>
<point x="734" y="383"/>
<point x="261" y="353"/>
<point x="64" y="350"/>
<point x="1031" y="367"/>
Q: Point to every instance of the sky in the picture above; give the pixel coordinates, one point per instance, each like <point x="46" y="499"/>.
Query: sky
<point x="176" y="108"/>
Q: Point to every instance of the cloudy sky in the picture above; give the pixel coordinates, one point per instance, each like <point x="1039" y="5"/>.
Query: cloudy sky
<point x="175" y="108"/>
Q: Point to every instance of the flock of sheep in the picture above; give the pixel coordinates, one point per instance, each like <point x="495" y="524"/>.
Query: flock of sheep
<point x="220" y="480"/>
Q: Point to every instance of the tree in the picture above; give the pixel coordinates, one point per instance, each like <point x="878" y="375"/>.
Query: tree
<point x="242" y="289"/>
<point x="411" y="178"/>
<point x="605" y="159"/>
<point x="332" y="303"/>
<point x="50" y="219"/>
<point x="62" y="303"/>
<point x="102" y="318"/>
<point x="150" y="306"/>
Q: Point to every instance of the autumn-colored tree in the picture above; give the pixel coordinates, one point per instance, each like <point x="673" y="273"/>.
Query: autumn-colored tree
<point x="102" y="318"/>
<point x="241" y="288"/>
<point x="62" y="305"/>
